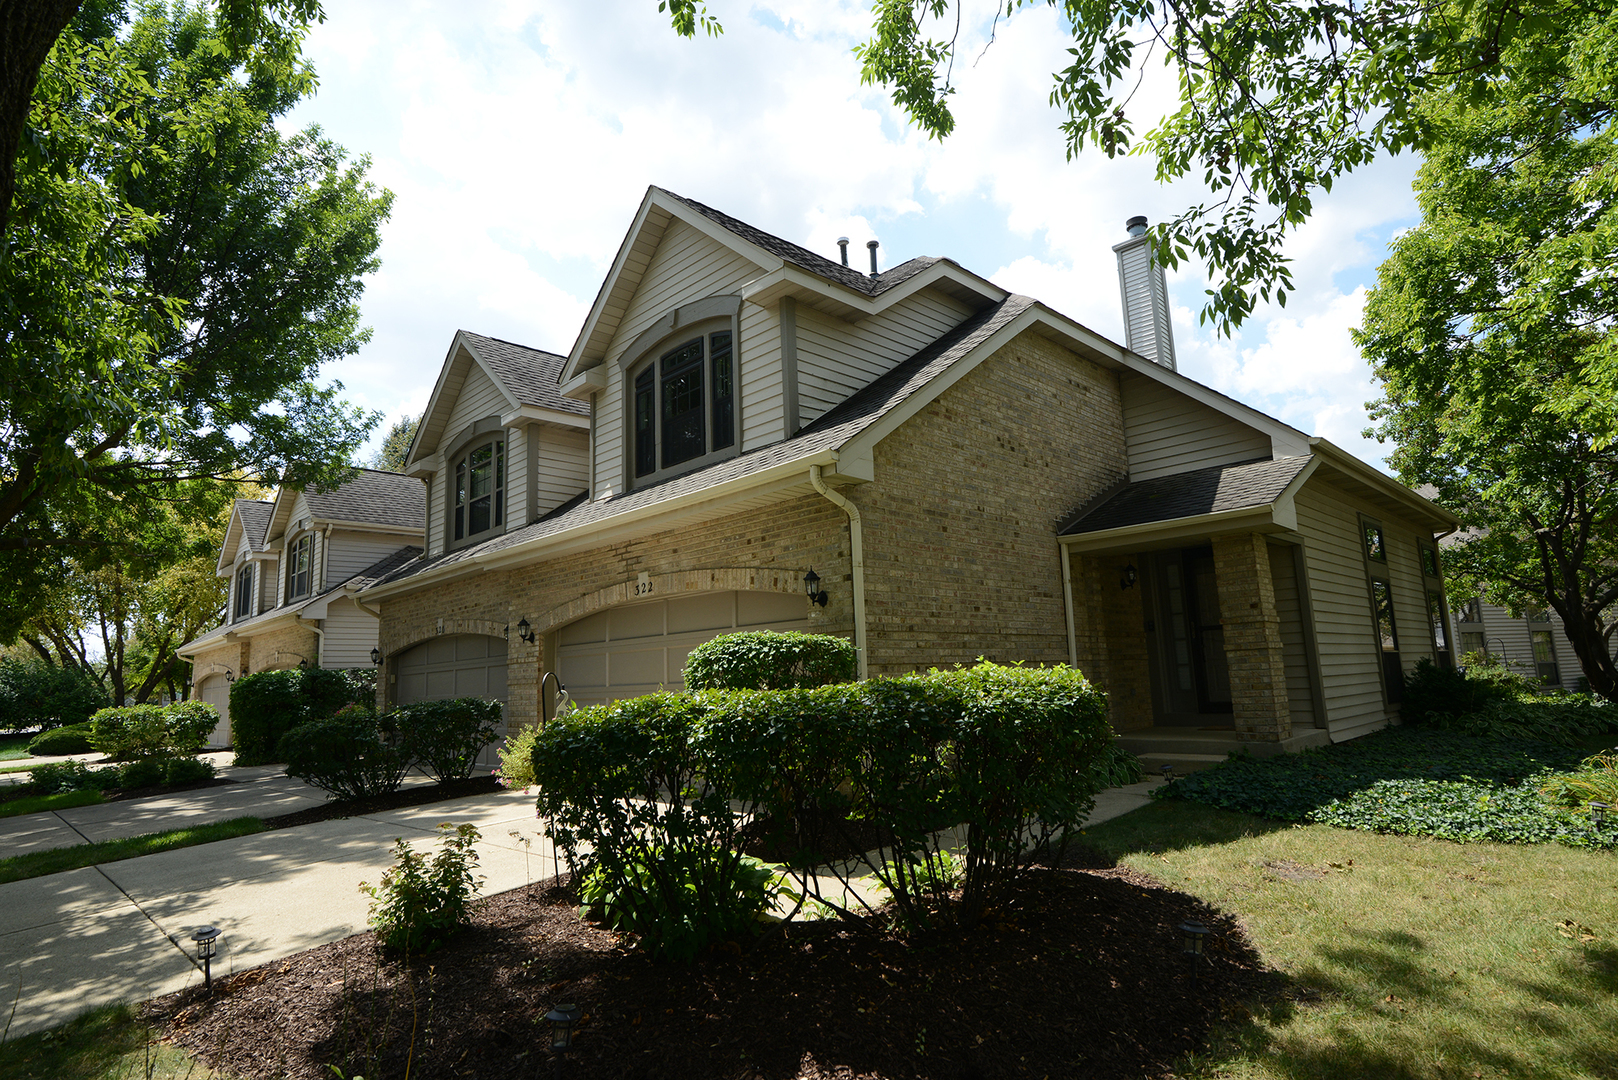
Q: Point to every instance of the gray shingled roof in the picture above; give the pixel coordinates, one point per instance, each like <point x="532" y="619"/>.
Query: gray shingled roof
<point x="530" y="375"/>
<point x="255" y="517"/>
<point x="1187" y="494"/>
<point x="374" y="498"/>
<point x="835" y="429"/>
<point x="805" y="259"/>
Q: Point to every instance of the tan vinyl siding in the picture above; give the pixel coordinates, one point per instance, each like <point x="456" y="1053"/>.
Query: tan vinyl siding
<point x="435" y="513"/>
<point x="1350" y="663"/>
<point x="243" y="548"/>
<point x="1509" y="637"/>
<point x="688" y="266"/>
<point x="352" y="552"/>
<point x="836" y="358"/>
<point x="264" y="597"/>
<point x="1294" y="646"/>
<point x="1167" y="432"/>
<point x="350" y="636"/>
<point x="517" y="451"/>
<point x="563" y="456"/>
<point x="760" y="349"/>
<point x="479" y="397"/>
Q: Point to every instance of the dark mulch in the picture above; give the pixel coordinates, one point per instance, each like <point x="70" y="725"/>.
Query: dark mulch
<point x="418" y="795"/>
<point x="1081" y="977"/>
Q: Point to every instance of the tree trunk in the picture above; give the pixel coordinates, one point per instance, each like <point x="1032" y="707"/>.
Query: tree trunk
<point x="28" y="29"/>
<point x="1589" y="640"/>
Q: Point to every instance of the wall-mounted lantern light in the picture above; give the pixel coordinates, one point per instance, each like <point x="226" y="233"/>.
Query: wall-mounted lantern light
<point x="526" y="632"/>
<point x="1128" y="580"/>
<point x="207" y="939"/>
<point x="376" y="657"/>
<point x="303" y="665"/>
<point x="562" y="1020"/>
<point x="230" y="676"/>
<point x="811" y="584"/>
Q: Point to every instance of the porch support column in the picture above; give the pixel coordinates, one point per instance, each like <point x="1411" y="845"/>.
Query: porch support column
<point x="1258" y="679"/>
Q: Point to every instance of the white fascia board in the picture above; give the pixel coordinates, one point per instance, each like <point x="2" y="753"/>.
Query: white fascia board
<point x="592" y="321"/>
<point x="609" y="530"/>
<point x="853" y="305"/>
<point x="224" y="635"/>
<point x="284" y="499"/>
<point x="1374" y="477"/>
<point x="373" y="527"/>
<point x="542" y="415"/>
<point x="585" y="385"/>
<point x="436" y="399"/>
<point x="488" y="372"/>
<point x="1166" y="533"/>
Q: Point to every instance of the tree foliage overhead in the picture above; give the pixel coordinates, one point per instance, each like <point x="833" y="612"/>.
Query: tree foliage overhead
<point x="176" y="272"/>
<point x="1493" y="329"/>
<point x="1277" y="98"/>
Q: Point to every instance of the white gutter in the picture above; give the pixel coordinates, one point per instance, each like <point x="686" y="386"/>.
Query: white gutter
<point x="320" y="639"/>
<point x="325" y="555"/>
<point x="1067" y="603"/>
<point x="856" y="550"/>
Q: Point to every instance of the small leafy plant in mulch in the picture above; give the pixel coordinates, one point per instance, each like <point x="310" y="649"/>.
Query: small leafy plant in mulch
<point x="1414" y="781"/>
<point x="1080" y="974"/>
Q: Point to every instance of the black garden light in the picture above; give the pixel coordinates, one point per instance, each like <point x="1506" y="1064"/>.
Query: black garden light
<point x="562" y="1020"/>
<point x="1168" y="772"/>
<point x="1128" y="580"/>
<point x="811" y="585"/>
<point x="376" y="657"/>
<point x="1192" y="937"/>
<point x="1598" y="814"/>
<point x="207" y="939"/>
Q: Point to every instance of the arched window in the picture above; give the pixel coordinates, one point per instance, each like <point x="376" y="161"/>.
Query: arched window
<point x="480" y="490"/>
<point x="683" y="404"/>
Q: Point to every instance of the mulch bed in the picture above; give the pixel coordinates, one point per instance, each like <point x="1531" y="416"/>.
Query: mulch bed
<point x="418" y="795"/>
<point x="1082" y="976"/>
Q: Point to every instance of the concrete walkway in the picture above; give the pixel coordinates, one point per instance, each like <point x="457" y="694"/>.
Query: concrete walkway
<point x="121" y="932"/>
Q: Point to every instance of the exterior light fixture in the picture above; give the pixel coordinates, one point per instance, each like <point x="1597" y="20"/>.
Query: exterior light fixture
<point x="207" y="939"/>
<point x="562" y="1020"/>
<point x="376" y="657"/>
<point x="303" y="665"/>
<point x="1192" y="936"/>
<point x="811" y="585"/>
<point x="526" y="632"/>
<point x="1168" y="772"/>
<point x="1598" y="814"/>
<point x="230" y="676"/>
<point x="1128" y="580"/>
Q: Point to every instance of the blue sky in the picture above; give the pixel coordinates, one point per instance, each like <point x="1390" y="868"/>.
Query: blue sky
<point x="519" y="136"/>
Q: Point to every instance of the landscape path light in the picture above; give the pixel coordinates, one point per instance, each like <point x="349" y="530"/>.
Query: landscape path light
<point x="1192" y="937"/>
<point x="1598" y="814"/>
<point x="207" y="939"/>
<point x="562" y="1020"/>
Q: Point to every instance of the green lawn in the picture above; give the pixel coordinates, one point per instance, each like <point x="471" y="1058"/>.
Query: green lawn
<point x="13" y="747"/>
<point x="37" y="804"/>
<point x="1411" y="957"/>
<point x="40" y="863"/>
<point x="106" y="1044"/>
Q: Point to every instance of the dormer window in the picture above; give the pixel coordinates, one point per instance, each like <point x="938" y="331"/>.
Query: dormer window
<point x="300" y="560"/>
<point x="480" y="490"/>
<point x="244" y="593"/>
<point x="683" y="405"/>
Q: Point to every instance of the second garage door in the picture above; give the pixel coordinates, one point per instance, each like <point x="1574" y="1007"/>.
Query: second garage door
<point x="216" y="692"/>
<point x="455" y="666"/>
<point x="641" y="648"/>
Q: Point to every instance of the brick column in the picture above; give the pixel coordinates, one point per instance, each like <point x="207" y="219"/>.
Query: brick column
<point x="1258" y="682"/>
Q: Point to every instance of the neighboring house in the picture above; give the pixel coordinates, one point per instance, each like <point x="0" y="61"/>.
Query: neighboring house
<point x="965" y="471"/>
<point x="295" y="565"/>
<point x="1533" y="644"/>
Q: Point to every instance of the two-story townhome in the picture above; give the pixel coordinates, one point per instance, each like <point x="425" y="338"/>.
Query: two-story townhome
<point x="295" y="565"/>
<point x="747" y="434"/>
<point x="1534" y="643"/>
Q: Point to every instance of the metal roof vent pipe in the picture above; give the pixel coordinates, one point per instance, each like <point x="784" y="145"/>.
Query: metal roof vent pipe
<point x="873" y="245"/>
<point x="842" y="246"/>
<point x="1147" y="327"/>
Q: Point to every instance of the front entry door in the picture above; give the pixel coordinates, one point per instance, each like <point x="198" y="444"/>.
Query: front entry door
<point x="1194" y="679"/>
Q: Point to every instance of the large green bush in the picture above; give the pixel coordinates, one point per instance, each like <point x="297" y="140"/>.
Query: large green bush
<point x="1489" y="700"/>
<point x="36" y="694"/>
<point x="769" y="660"/>
<point x="445" y="737"/>
<point x="134" y="732"/>
<point x="267" y="704"/>
<point x="53" y="742"/>
<point x="71" y="775"/>
<point x="1001" y="756"/>
<point x="352" y="755"/>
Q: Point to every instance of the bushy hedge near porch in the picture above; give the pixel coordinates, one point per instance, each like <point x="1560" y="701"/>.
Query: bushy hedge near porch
<point x="659" y="789"/>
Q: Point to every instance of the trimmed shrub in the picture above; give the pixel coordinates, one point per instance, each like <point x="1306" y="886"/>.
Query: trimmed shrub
<point x="419" y="903"/>
<point x="266" y="705"/>
<point x="769" y="660"/>
<point x="517" y="759"/>
<point x="133" y="732"/>
<point x="445" y="737"/>
<point x="60" y="776"/>
<point x="1004" y="753"/>
<point x="72" y="739"/>
<point x="141" y="773"/>
<point x="349" y="756"/>
<point x="187" y="770"/>
<point x="33" y="692"/>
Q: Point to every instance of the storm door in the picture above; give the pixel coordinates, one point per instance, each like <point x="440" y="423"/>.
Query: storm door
<point x="1193" y="677"/>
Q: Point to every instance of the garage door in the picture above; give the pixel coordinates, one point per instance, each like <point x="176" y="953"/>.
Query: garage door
<point x="455" y="666"/>
<point x="216" y="692"/>
<point x="641" y="648"/>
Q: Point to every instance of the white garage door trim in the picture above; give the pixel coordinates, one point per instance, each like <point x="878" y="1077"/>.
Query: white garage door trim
<point x="215" y="690"/>
<point x="640" y="648"/>
<point x="455" y="666"/>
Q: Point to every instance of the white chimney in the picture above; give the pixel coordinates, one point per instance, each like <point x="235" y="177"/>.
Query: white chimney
<point x="1147" y="329"/>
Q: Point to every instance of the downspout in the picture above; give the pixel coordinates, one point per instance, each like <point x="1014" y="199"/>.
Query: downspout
<point x="325" y="559"/>
<point x="857" y="557"/>
<point x="1067" y="603"/>
<point x="320" y="639"/>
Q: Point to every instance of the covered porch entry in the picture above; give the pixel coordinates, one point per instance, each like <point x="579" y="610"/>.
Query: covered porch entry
<point x="1188" y="602"/>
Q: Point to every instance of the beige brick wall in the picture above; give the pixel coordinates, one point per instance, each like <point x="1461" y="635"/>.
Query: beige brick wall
<point x="1253" y="647"/>
<point x="282" y="649"/>
<point x="960" y="525"/>
<point x="232" y="656"/>
<point x="1109" y="625"/>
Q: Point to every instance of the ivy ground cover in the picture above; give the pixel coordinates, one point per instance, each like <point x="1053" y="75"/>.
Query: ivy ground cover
<point x="1412" y="781"/>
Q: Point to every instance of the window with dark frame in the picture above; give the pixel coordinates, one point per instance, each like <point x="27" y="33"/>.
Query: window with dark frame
<point x="299" y="565"/>
<point x="684" y="404"/>
<point x="1375" y="548"/>
<point x="480" y="490"/>
<point x="244" y="592"/>
<point x="1437" y="614"/>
